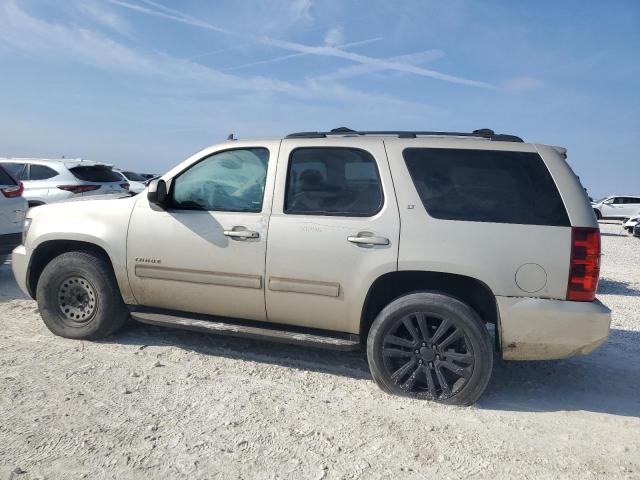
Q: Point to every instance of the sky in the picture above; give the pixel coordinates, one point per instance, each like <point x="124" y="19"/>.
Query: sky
<point x="143" y="84"/>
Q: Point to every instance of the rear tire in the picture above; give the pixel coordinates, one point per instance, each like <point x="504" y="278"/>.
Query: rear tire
<point x="78" y="297"/>
<point x="431" y="346"/>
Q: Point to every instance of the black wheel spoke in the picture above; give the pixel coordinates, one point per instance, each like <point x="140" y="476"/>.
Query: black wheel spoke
<point x="412" y="379"/>
<point x="422" y="323"/>
<point x="459" y="357"/>
<point x="394" y="352"/>
<point x="442" y="381"/>
<point x="392" y="339"/>
<point x="456" y="335"/>
<point x="442" y="329"/>
<point x="402" y="371"/>
<point x="412" y="330"/>
<point x="464" y="372"/>
<point x="430" y="385"/>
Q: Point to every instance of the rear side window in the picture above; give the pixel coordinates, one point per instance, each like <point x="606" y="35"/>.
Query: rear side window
<point x="15" y="170"/>
<point x="41" y="172"/>
<point x="486" y="186"/>
<point x="96" y="173"/>
<point x="333" y="181"/>
<point x="5" y="178"/>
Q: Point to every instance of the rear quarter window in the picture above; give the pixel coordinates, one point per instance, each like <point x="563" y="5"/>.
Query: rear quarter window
<point x="5" y="178"/>
<point x="96" y="174"/>
<point x="486" y="186"/>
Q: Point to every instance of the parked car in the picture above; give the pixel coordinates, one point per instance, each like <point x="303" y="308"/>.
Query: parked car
<point x="630" y="223"/>
<point x="52" y="180"/>
<point x="298" y="240"/>
<point x="616" y="206"/>
<point x="13" y="208"/>
<point x="137" y="183"/>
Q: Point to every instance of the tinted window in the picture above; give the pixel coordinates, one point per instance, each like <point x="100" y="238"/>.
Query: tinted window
<point x="134" y="177"/>
<point x="230" y="181"/>
<point x="333" y="181"/>
<point x="14" y="169"/>
<point x="5" y="178"/>
<point x="618" y="200"/>
<point x="632" y="200"/>
<point x="40" y="172"/>
<point x="96" y="173"/>
<point x="486" y="186"/>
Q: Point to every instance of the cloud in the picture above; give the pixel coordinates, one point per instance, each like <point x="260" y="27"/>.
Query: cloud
<point x="104" y="17"/>
<point x="334" y="37"/>
<point x="524" y="83"/>
<point x="295" y="55"/>
<point x="328" y="51"/>
<point x="78" y="44"/>
<point x="301" y="10"/>
<point x="362" y="69"/>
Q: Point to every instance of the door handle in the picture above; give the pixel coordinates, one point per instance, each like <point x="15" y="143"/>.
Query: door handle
<point x="241" y="234"/>
<point x="362" y="240"/>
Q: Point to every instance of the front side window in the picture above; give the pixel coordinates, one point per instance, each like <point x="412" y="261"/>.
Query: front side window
<point x="229" y="181"/>
<point x="41" y="172"/>
<point x="486" y="186"/>
<point x="333" y="181"/>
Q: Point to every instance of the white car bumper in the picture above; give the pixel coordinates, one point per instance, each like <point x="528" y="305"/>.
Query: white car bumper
<point x="543" y="329"/>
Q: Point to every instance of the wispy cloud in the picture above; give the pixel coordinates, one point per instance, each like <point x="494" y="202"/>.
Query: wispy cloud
<point x="328" y="51"/>
<point x="295" y="55"/>
<point x="363" y="69"/>
<point x="524" y="83"/>
<point x="78" y="44"/>
<point x="99" y="15"/>
<point x="334" y="37"/>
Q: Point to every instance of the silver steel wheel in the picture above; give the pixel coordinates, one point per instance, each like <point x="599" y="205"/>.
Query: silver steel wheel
<point x="77" y="301"/>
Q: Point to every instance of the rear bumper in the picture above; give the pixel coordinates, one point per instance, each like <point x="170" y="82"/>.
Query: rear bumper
<point x="543" y="329"/>
<point x="20" y="266"/>
<point x="9" y="241"/>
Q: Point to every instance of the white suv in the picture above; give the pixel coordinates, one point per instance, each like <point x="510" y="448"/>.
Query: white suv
<point x="617" y="206"/>
<point x="53" y="180"/>
<point x="410" y="243"/>
<point x="13" y="208"/>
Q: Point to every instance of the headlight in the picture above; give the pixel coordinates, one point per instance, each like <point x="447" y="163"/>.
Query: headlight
<point x="25" y="229"/>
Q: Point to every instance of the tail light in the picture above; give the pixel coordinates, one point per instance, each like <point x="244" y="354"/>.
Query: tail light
<point x="584" y="270"/>
<point x="125" y="185"/>
<point x="13" y="192"/>
<point x="78" y="188"/>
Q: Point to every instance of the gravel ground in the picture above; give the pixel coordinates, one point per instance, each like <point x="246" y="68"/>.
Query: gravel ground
<point x="161" y="403"/>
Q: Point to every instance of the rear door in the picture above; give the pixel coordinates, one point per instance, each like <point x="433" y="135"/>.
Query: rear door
<point x="334" y="229"/>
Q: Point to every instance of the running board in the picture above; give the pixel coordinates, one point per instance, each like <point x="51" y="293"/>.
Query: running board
<point x="246" y="329"/>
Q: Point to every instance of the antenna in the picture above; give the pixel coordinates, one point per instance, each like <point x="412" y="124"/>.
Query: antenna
<point x="231" y="137"/>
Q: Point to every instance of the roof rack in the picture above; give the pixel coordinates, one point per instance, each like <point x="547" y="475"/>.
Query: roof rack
<point x="480" y="133"/>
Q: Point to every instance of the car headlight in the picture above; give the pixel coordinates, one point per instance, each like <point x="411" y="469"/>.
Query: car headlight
<point x="25" y="229"/>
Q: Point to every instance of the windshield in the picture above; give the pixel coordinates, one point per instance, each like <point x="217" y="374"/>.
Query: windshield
<point x="600" y="200"/>
<point x="134" y="177"/>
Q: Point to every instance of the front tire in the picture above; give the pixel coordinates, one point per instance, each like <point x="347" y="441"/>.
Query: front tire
<point x="598" y="214"/>
<point x="431" y="346"/>
<point x="78" y="297"/>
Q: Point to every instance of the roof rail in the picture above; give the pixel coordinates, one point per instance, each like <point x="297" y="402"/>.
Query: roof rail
<point x="480" y="133"/>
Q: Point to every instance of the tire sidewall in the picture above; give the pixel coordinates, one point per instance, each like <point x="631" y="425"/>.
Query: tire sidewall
<point x="443" y="306"/>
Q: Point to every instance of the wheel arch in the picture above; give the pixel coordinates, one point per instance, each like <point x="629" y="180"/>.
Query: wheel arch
<point x="392" y="285"/>
<point x="50" y="249"/>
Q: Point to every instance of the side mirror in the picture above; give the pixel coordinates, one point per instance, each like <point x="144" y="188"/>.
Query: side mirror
<point x="609" y="201"/>
<point x="157" y="193"/>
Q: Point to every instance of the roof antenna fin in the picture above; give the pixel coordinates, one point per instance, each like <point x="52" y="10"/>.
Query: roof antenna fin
<point x="231" y="137"/>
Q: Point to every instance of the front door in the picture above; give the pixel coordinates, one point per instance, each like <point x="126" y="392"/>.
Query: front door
<point x="334" y="229"/>
<point x="206" y="252"/>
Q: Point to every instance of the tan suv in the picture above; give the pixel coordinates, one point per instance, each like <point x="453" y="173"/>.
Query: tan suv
<point x="412" y="243"/>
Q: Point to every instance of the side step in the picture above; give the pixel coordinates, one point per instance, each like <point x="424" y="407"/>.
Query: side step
<point x="248" y="329"/>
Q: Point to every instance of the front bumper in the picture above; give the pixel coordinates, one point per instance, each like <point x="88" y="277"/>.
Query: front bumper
<point x="20" y="266"/>
<point x="9" y="241"/>
<point x="543" y="329"/>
